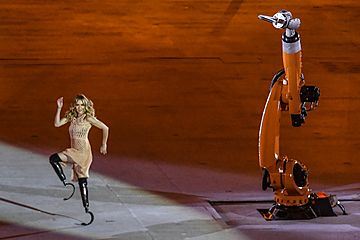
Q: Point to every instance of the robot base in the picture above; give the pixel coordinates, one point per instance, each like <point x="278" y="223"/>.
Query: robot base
<point x="282" y="212"/>
<point x="319" y="206"/>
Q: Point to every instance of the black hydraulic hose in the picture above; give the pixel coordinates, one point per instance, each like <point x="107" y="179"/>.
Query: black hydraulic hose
<point x="276" y="78"/>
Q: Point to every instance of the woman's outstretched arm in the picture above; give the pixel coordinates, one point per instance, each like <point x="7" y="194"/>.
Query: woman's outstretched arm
<point x="105" y="129"/>
<point x="59" y="122"/>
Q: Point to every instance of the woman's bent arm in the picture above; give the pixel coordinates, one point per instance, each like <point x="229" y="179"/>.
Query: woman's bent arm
<point x="57" y="121"/>
<point x="105" y="129"/>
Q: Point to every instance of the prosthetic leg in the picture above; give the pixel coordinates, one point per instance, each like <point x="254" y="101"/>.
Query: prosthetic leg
<point x="55" y="163"/>
<point x="85" y="198"/>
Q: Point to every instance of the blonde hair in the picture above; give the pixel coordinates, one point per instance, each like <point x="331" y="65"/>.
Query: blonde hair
<point x="89" y="107"/>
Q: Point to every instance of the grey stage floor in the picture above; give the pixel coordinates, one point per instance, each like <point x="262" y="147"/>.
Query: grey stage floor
<point x="32" y="208"/>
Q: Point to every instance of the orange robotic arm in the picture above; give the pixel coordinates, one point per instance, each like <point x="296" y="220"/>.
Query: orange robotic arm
<point x="287" y="177"/>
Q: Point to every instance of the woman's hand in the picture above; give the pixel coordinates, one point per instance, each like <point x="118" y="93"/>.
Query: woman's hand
<point x="103" y="149"/>
<point x="60" y="102"/>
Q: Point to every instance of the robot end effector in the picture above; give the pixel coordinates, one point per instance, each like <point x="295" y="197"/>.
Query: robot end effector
<point x="282" y="19"/>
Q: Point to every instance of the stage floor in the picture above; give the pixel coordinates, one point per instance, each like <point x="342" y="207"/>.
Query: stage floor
<point x="32" y="207"/>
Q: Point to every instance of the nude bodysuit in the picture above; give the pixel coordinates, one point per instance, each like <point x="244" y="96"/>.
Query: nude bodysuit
<point x="79" y="155"/>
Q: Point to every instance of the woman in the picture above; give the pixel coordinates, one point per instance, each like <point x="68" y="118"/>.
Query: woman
<point x="81" y="117"/>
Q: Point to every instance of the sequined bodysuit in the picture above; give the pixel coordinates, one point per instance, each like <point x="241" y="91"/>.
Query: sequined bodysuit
<point x="79" y="155"/>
